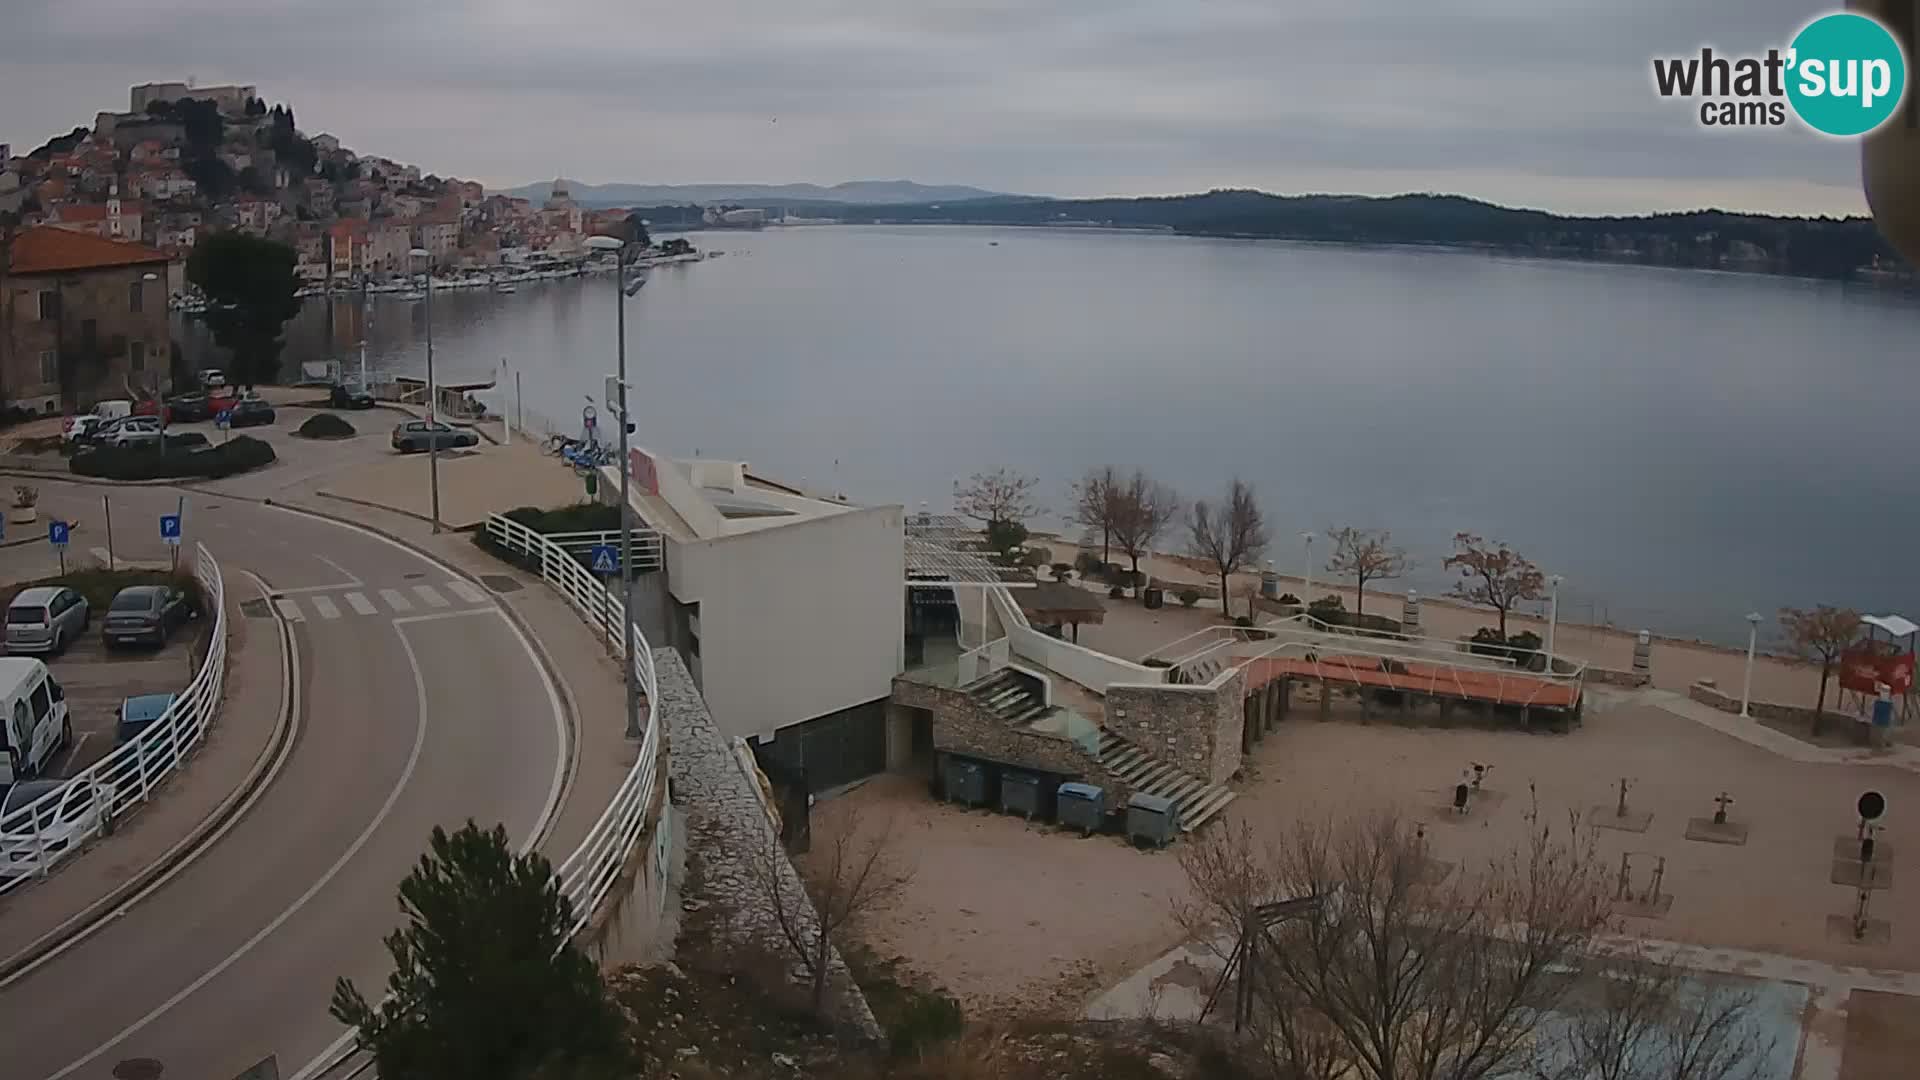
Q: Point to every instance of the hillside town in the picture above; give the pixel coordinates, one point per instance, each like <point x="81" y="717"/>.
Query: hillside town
<point x="183" y="162"/>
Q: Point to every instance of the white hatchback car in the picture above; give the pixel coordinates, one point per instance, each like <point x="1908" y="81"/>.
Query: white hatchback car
<point x="65" y="814"/>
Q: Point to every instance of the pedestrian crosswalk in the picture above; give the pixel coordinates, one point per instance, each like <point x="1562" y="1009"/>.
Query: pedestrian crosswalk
<point x="320" y="605"/>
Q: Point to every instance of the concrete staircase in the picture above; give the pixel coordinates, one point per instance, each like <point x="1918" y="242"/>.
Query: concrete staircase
<point x="1199" y="672"/>
<point x="1009" y="697"/>
<point x="1195" y="799"/>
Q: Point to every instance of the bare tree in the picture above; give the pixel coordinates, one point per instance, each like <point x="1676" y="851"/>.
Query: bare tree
<point x="1638" y="1017"/>
<point x="1001" y="497"/>
<point x="1821" y="634"/>
<point x="1365" y="555"/>
<point x="1142" y="510"/>
<point x="856" y="873"/>
<point x="1398" y="974"/>
<point x="1493" y="575"/>
<point x="1094" y="505"/>
<point x="1227" y="536"/>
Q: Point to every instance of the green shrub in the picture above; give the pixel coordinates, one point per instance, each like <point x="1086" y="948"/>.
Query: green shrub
<point x="1062" y="571"/>
<point x="924" y="1019"/>
<point x="576" y="518"/>
<point x="1086" y="564"/>
<point x="326" y="426"/>
<point x="99" y="586"/>
<point x="1117" y="593"/>
<point x="1189" y="597"/>
<point x="1288" y="598"/>
<point x="1243" y="621"/>
<point x="237" y="455"/>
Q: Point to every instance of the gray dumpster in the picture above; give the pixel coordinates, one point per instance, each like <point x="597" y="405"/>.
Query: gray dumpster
<point x="1152" y="818"/>
<point x="1020" y="794"/>
<point x="1082" y="806"/>
<point x="967" y="782"/>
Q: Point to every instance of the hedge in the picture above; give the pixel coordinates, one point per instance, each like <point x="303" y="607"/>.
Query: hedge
<point x="326" y="426"/>
<point x="579" y="517"/>
<point x="99" y="586"/>
<point x="237" y="455"/>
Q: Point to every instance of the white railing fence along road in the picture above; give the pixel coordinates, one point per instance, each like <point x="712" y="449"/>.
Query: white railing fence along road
<point x="589" y="873"/>
<point x="36" y="836"/>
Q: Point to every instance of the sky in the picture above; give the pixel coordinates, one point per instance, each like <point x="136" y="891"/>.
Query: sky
<point x="1543" y="104"/>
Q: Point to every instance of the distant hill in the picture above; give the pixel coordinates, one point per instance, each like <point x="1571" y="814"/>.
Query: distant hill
<point x="853" y="192"/>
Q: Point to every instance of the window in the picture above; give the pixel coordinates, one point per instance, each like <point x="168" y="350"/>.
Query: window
<point x="42" y="701"/>
<point x="49" y="366"/>
<point x="89" y="332"/>
<point x="137" y="351"/>
<point x="49" y="305"/>
<point x="134" y="297"/>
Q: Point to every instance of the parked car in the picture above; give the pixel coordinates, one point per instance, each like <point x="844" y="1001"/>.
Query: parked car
<point x="77" y="428"/>
<point x="134" y="431"/>
<point x="415" y="435"/>
<point x="248" y="412"/>
<point x="144" y="614"/>
<point x="342" y="396"/>
<point x="190" y="407"/>
<point x="44" y="619"/>
<point x="34" y="721"/>
<point x="211" y="378"/>
<point x="66" y="814"/>
<point x="137" y="714"/>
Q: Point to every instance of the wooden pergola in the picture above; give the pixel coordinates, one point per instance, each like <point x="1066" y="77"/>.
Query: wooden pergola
<point x="1054" y="603"/>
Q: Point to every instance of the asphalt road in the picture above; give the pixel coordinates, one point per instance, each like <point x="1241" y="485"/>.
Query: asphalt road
<point x="420" y="706"/>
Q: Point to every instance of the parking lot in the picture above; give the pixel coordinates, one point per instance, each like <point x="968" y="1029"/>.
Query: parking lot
<point x="97" y="680"/>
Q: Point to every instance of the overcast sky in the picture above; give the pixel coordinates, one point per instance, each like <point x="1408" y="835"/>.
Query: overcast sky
<point x="1545" y="103"/>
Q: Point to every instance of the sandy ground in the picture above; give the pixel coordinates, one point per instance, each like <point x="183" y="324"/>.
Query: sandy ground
<point x="1017" y="917"/>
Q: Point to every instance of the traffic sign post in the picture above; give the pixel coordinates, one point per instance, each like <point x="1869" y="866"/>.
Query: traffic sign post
<point x="58" y="533"/>
<point x="224" y="421"/>
<point x="604" y="558"/>
<point x="170" y="535"/>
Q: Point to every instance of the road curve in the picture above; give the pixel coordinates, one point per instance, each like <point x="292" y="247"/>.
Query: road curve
<point x="421" y="705"/>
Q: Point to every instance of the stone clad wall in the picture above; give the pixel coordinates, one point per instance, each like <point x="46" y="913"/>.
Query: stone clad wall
<point x="962" y="725"/>
<point x="1765" y="710"/>
<point x="1195" y="728"/>
<point x="1633" y="679"/>
<point x="728" y="826"/>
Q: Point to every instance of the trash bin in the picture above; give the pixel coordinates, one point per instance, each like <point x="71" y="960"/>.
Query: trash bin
<point x="1155" y="596"/>
<point x="1152" y="818"/>
<point x="1020" y="794"/>
<point x="1082" y="806"/>
<point x="967" y="782"/>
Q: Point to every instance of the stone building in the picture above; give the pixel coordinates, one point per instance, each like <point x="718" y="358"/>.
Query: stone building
<point x="82" y="318"/>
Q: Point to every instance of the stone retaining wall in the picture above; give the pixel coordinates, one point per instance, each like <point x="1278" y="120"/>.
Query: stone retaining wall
<point x="1633" y="679"/>
<point x="1194" y="728"/>
<point x="1707" y="694"/>
<point x="728" y="826"/>
<point x="961" y="725"/>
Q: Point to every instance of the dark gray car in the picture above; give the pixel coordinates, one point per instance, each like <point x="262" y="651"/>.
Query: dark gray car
<point x="144" y="614"/>
<point x="420" y="435"/>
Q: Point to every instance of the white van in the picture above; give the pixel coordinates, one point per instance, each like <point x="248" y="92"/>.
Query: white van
<point x="34" y="724"/>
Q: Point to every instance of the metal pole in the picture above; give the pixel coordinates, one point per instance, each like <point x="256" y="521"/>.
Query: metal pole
<point x="107" y="501"/>
<point x="506" y="420"/>
<point x="1553" y="618"/>
<point x="1746" y="685"/>
<point x="626" y="504"/>
<point x="433" y="405"/>
<point x="1306" y="576"/>
<point x="519" y="408"/>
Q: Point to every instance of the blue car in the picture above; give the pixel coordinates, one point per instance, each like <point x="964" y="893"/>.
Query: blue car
<point x="138" y="713"/>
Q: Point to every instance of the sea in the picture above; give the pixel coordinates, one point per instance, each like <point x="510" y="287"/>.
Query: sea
<point x="1681" y="446"/>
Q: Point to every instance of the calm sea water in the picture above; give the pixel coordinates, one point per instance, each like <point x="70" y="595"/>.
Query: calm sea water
<point x="1682" y="446"/>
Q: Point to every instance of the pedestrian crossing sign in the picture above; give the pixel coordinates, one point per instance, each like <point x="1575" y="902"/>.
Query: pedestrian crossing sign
<point x="604" y="559"/>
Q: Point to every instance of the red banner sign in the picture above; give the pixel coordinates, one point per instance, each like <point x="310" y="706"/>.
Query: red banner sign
<point x="640" y="465"/>
<point x="1866" y="668"/>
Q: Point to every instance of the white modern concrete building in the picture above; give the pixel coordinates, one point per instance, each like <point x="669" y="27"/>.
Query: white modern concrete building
<point x="786" y="604"/>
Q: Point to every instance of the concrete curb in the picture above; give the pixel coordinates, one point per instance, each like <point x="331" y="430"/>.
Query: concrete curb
<point x="187" y="847"/>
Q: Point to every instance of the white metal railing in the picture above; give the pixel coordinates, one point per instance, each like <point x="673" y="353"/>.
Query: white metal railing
<point x="1365" y="662"/>
<point x="41" y="833"/>
<point x="647" y="550"/>
<point x="589" y="873"/>
<point x="982" y="661"/>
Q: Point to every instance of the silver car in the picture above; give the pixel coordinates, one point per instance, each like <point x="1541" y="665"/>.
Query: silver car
<point x="46" y="619"/>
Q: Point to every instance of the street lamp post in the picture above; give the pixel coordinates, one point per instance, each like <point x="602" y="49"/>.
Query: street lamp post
<point x="1306" y="575"/>
<point x="433" y="405"/>
<point x="1553" y="615"/>
<point x="620" y="294"/>
<point x="1746" y="684"/>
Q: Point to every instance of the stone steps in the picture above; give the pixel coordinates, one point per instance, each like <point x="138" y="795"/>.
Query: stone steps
<point x="1196" y="800"/>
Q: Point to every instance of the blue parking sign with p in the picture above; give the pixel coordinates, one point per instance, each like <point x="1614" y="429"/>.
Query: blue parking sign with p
<point x="57" y="533"/>
<point x="170" y="528"/>
<point x="605" y="559"/>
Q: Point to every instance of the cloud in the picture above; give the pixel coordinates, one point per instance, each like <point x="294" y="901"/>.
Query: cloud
<point x="1538" y="103"/>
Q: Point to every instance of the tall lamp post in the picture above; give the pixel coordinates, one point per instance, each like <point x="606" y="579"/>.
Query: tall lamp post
<point x="620" y="293"/>
<point x="1553" y="615"/>
<point x="433" y="404"/>
<point x="1306" y="575"/>
<point x="1746" y="684"/>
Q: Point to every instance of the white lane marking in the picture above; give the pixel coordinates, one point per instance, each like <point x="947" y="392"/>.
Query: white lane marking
<point x="562" y="765"/>
<point x="73" y="752"/>
<point x="395" y="600"/>
<point x="439" y="615"/>
<point x="430" y="595"/>
<point x="344" y="572"/>
<point x="289" y="610"/>
<point x="393" y="796"/>
<point x="106" y="557"/>
<point x="466" y="591"/>
<point x="324" y="606"/>
<point x="304" y="589"/>
<point x="360" y="604"/>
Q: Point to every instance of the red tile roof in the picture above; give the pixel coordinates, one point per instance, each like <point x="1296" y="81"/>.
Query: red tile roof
<point x="51" y="250"/>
